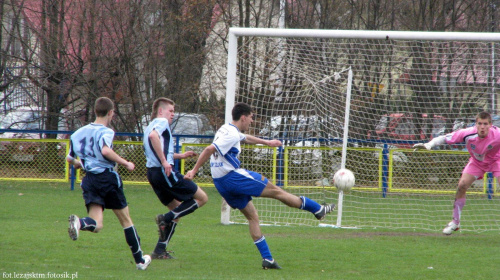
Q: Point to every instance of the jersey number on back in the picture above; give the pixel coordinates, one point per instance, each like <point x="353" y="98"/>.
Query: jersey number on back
<point x="83" y="143"/>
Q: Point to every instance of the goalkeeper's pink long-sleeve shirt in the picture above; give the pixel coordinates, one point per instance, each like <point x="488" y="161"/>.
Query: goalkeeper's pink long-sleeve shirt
<point x="483" y="151"/>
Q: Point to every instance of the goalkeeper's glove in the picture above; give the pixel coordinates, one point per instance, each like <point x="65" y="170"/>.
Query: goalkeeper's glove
<point x="421" y="146"/>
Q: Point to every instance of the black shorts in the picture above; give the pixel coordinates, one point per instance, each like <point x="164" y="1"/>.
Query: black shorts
<point x="104" y="189"/>
<point x="173" y="187"/>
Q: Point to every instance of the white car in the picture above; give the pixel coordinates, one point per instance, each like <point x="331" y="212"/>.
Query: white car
<point x="189" y="124"/>
<point x="192" y="124"/>
<point x="27" y="120"/>
<point x="302" y="133"/>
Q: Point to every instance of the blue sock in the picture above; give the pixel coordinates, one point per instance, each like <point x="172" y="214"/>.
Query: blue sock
<point x="263" y="248"/>
<point x="309" y="205"/>
<point x="134" y="242"/>
<point x="88" y="224"/>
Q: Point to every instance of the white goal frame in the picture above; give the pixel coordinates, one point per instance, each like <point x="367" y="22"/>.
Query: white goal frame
<point x="236" y="32"/>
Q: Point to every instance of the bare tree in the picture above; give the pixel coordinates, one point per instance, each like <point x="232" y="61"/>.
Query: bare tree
<point x="131" y="51"/>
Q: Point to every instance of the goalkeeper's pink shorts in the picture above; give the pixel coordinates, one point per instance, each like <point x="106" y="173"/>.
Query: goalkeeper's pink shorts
<point x="478" y="170"/>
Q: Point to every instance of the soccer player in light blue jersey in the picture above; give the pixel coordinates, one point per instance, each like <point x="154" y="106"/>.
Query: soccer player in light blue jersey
<point x="180" y="196"/>
<point x="102" y="186"/>
<point x="237" y="185"/>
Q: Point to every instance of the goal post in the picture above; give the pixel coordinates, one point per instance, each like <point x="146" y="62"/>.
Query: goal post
<point x="359" y="100"/>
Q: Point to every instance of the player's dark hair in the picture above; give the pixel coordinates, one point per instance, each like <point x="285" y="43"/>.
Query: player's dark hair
<point x="241" y="109"/>
<point x="102" y="106"/>
<point x="484" y="116"/>
<point x="158" y="103"/>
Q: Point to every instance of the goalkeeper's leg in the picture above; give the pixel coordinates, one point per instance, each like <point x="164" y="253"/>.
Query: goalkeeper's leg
<point x="460" y="197"/>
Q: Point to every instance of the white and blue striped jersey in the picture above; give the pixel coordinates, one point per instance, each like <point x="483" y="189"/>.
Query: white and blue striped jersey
<point x="227" y="143"/>
<point x="87" y="143"/>
<point x="162" y="127"/>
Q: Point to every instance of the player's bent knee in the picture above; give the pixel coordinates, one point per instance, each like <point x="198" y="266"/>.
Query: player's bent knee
<point x="201" y="197"/>
<point x="97" y="229"/>
<point x="462" y="188"/>
<point x="202" y="200"/>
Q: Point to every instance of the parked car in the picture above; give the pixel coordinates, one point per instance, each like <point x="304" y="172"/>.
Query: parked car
<point x="306" y="133"/>
<point x="192" y="124"/>
<point x="189" y="124"/>
<point x="298" y="128"/>
<point x="27" y="120"/>
<point x="402" y="126"/>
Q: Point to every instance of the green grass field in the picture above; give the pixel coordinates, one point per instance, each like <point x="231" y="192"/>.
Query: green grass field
<point x="34" y="239"/>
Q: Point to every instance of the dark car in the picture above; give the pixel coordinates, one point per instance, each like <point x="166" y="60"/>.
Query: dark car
<point x="402" y="126"/>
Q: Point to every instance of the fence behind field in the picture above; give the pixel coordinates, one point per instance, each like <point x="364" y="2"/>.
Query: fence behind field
<point x="396" y="170"/>
<point x="38" y="159"/>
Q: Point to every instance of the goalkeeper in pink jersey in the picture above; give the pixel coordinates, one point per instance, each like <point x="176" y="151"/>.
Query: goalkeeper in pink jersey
<point x="483" y="143"/>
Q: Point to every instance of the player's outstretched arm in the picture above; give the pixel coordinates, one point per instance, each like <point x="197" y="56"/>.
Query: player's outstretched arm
<point x="249" y="139"/>
<point x="186" y="154"/>
<point x="204" y="157"/>
<point x="431" y="144"/>
<point x="108" y="153"/>
<point x="421" y="146"/>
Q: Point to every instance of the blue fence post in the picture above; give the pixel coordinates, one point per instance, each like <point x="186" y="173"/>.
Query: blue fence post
<point x="72" y="176"/>
<point x="385" y="169"/>
<point x="489" y="186"/>
<point x="280" y="168"/>
<point x="178" y="151"/>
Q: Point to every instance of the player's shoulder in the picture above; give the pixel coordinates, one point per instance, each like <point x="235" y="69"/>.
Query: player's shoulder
<point x="159" y="120"/>
<point x="467" y="130"/>
<point x="159" y="123"/>
<point x="495" y="130"/>
<point x="102" y="129"/>
<point x="86" y="129"/>
<point x="228" y="129"/>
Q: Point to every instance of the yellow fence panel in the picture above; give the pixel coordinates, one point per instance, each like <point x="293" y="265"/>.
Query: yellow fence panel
<point x="315" y="166"/>
<point x="34" y="159"/>
<point x="402" y="170"/>
<point x="433" y="172"/>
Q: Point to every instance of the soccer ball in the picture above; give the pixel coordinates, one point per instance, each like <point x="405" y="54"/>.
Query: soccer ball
<point x="344" y="179"/>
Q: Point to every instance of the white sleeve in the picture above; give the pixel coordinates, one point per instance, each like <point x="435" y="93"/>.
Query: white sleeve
<point x="440" y="140"/>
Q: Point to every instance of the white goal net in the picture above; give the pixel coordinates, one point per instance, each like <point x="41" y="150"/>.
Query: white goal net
<point x="407" y="87"/>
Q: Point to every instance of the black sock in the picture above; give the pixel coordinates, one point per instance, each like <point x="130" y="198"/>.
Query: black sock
<point x="134" y="242"/>
<point x="88" y="224"/>
<point x="186" y="207"/>
<point x="161" y="246"/>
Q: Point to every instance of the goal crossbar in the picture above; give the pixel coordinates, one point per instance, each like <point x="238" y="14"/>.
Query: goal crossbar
<point x="365" y="34"/>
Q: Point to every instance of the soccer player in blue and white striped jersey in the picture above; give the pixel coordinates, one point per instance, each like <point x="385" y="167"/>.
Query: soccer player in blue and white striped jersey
<point x="237" y="185"/>
<point x="102" y="186"/>
<point x="180" y="196"/>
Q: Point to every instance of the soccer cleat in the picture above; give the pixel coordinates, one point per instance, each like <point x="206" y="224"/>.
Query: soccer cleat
<point x="267" y="264"/>
<point x="325" y="209"/>
<point x="145" y="264"/>
<point x="163" y="256"/>
<point x="74" y="227"/>
<point x="450" y="228"/>
<point x="161" y="227"/>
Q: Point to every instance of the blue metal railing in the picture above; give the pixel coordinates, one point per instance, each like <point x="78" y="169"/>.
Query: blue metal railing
<point x="280" y="156"/>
